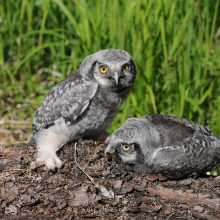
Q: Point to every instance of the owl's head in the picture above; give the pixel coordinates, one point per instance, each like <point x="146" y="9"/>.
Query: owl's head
<point x="126" y="142"/>
<point x="111" y="68"/>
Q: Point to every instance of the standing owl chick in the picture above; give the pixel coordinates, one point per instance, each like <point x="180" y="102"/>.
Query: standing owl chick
<point x="84" y="104"/>
<point x="167" y="145"/>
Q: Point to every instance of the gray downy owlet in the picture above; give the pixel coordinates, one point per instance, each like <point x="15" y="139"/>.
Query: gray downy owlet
<point x="167" y="145"/>
<point x="84" y="104"/>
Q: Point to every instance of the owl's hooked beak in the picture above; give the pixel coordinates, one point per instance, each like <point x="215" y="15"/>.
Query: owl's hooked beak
<point x="109" y="150"/>
<point x="112" y="152"/>
<point x="116" y="77"/>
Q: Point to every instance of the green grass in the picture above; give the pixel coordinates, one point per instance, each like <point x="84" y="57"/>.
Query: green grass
<point x="173" y="43"/>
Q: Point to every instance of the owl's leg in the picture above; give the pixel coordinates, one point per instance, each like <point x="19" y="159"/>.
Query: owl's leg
<point x="47" y="143"/>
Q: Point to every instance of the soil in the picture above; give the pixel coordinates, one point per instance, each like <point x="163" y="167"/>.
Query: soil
<point x="92" y="186"/>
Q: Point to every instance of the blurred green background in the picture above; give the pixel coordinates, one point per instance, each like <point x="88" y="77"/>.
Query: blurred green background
<point x="175" y="45"/>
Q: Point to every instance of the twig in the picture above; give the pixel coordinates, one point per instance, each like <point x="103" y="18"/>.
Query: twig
<point x="170" y="215"/>
<point x="16" y="170"/>
<point x="91" y="179"/>
<point x="59" y="147"/>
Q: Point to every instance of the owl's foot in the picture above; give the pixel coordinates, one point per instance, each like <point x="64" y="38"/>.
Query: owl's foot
<point x="51" y="162"/>
<point x="48" y="141"/>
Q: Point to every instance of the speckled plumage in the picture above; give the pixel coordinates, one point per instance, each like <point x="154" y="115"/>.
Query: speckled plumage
<point x="166" y="145"/>
<point x="83" y="104"/>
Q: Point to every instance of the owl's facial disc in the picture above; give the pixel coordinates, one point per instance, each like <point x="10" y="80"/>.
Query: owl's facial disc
<point x="114" y="75"/>
<point x="110" y="72"/>
<point x="126" y="152"/>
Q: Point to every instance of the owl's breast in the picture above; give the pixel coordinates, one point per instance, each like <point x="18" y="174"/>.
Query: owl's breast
<point x="93" y="121"/>
<point x="99" y="114"/>
<point x="110" y="100"/>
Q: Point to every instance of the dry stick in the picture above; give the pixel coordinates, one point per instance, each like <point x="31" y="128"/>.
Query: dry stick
<point x="16" y="170"/>
<point x="59" y="147"/>
<point x="170" y="215"/>
<point x="91" y="179"/>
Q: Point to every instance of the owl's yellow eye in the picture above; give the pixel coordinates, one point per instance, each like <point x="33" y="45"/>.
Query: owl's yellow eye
<point x="126" y="147"/>
<point x="125" y="67"/>
<point x="103" y="69"/>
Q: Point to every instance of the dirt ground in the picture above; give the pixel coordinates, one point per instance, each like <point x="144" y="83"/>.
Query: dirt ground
<point x="92" y="186"/>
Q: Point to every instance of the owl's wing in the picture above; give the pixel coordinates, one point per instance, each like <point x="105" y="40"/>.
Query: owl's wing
<point x="66" y="101"/>
<point x="184" y="146"/>
<point x="198" y="156"/>
<point x="176" y="131"/>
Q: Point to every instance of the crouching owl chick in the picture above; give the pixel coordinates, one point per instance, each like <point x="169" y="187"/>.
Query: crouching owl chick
<point x="167" y="145"/>
<point x="84" y="104"/>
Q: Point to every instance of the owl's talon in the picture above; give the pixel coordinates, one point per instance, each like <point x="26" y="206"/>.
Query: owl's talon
<point x="40" y="161"/>
<point x="58" y="162"/>
<point x="51" y="162"/>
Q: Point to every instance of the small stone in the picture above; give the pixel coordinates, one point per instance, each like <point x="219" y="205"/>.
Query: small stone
<point x="22" y="188"/>
<point x="9" y="184"/>
<point x="47" y="211"/>
<point x="3" y="204"/>
<point x="108" y="194"/>
<point x="115" y="202"/>
<point x="52" y="197"/>
<point x="30" y="191"/>
<point x="11" y="193"/>
<point x="128" y="178"/>
<point x="41" y="210"/>
<point x="125" y="201"/>
<point x="39" y="188"/>
<point x="81" y="197"/>
<point x="33" y="165"/>
<point x="151" y="177"/>
<point x="185" y="182"/>
<point x="163" y="178"/>
<point x="144" y="182"/>
<point x="166" y="184"/>
<point x="26" y="198"/>
<point x="38" y="179"/>
<point x="139" y="188"/>
<point x="61" y="204"/>
<point x="127" y="189"/>
<point x="116" y="183"/>
<point x="11" y="210"/>
<point x="145" y="208"/>
<point x="106" y="172"/>
<point x="198" y="208"/>
<point x="112" y="202"/>
<point x="166" y="210"/>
